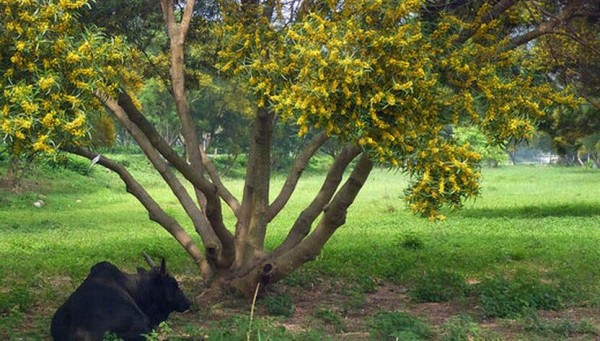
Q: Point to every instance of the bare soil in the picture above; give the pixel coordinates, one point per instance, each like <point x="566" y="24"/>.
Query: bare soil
<point x="389" y="297"/>
<point x="327" y="295"/>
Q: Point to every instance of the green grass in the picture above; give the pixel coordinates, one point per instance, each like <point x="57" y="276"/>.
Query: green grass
<point x="541" y="221"/>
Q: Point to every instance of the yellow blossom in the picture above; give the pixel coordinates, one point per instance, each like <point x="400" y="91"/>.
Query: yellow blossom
<point x="46" y="82"/>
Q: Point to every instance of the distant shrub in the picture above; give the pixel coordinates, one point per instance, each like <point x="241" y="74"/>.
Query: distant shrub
<point x="438" y="286"/>
<point x="66" y="162"/>
<point x="398" y="326"/>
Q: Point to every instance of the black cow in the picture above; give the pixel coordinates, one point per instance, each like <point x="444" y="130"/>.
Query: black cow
<point x="110" y="300"/>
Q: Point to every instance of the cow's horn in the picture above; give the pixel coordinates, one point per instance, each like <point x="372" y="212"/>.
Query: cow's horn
<point x="149" y="260"/>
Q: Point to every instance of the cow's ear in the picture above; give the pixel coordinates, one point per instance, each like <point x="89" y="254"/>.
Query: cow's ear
<point x="163" y="268"/>
<point x="141" y="271"/>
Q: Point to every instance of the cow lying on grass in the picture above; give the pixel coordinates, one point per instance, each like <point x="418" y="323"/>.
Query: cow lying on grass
<point x="127" y="305"/>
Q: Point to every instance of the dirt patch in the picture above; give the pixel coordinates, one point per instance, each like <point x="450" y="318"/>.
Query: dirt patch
<point x="354" y="308"/>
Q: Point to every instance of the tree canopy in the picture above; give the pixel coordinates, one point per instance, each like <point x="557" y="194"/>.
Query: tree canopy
<point x="385" y="78"/>
<point x="51" y="70"/>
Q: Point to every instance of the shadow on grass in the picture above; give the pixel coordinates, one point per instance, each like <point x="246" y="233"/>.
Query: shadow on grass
<point x="533" y="211"/>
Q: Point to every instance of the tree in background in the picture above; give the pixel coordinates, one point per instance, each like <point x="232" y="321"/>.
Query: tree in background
<point x="572" y="54"/>
<point x="382" y="78"/>
<point x="491" y="154"/>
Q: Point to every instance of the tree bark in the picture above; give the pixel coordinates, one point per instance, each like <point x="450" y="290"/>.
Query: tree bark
<point x="212" y="207"/>
<point x="251" y="228"/>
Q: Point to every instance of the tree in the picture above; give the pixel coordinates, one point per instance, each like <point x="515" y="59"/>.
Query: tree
<point x="572" y="55"/>
<point x="50" y="67"/>
<point x="383" y="78"/>
<point x="491" y="154"/>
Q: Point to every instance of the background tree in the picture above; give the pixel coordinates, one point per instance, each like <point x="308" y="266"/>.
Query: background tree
<point x="491" y="154"/>
<point x="383" y="78"/>
<point x="571" y="50"/>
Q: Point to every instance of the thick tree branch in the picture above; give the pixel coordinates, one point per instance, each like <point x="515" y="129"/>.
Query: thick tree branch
<point x="225" y="194"/>
<point x="155" y="212"/>
<point x="213" y="203"/>
<point x="302" y="225"/>
<point x="334" y="216"/>
<point x="545" y="27"/>
<point x="494" y="13"/>
<point x="177" y="34"/>
<point x="211" y="241"/>
<point x="187" y="16"/>
<point x="294" y="175"/>
<point x="251" y="229"/>
<point x="211" y="191"/>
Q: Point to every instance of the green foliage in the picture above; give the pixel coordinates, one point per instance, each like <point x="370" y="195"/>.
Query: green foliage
<point x="561" y="328"/>
<point x="491" y="154"/>
<point x="546" y="216"/>
<point x="398" y="326"/>
<point x="412" y="242"/>
<point x="109" y="336"/>
<point x="61" y="161"/>
<point x="331" y="318"/>
<point x="461" y="328"/>
<point x="160" y="333"/>
<point x="438" y="286"/>
<point x="237" y="328"/>
<point x="501" y="297"/>
<point x="279" y="305"/>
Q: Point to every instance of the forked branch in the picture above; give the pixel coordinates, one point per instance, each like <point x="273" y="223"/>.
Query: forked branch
<point x="294" y="175"/>
<point x="202" y="225"/>
<point x="302" y="225"/>
<point x="334" y="216"/>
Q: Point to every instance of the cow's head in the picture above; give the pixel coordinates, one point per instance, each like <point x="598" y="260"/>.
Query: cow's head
<point x="165" y="291"/>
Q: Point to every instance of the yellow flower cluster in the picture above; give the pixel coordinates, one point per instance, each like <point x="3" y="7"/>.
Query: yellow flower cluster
<point x="370" y="72"/>
<point x="51" y="69"/>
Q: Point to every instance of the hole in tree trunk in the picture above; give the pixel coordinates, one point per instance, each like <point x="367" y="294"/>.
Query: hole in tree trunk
<point x="267" y="268"/>
<point x="267" y="273"/>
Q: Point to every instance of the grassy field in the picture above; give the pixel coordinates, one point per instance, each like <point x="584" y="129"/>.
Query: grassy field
<point x="521" y="262"/>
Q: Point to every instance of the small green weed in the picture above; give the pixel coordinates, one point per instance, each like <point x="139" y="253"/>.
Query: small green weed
<point x="161" y="333"/>
<point x="331" y="318"/>
<point x="279" y="305"/>
<point x="398" y="326"/>
<point x="237" y="328"/>
<point x="500" y="297"/>
<point x="412" y="242"/>
<point x="18" y="299"/>
<point x="110" y="336"/>
<point x="557" y="328"/>
<point x="461" y="328"/>
<point x="438" y="286"/>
